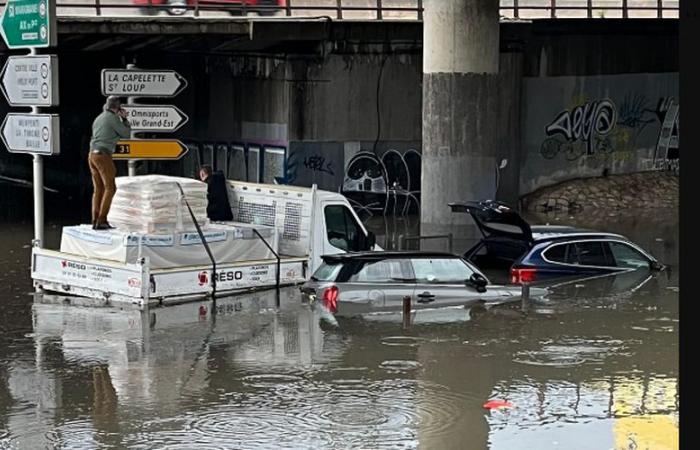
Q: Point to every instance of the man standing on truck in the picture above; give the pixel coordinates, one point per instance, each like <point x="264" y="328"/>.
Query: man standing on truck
<point x="218" y="206"/>
<point x="107" y="129"/>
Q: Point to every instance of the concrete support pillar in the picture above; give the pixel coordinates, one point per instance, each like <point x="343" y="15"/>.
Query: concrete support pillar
<point x="460" y="107"/>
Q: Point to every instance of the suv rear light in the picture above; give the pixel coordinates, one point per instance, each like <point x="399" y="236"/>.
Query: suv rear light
<point x="520" y="276"/>
<point x="330" y="299"/>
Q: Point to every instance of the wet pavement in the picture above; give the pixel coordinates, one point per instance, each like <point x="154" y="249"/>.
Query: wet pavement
<point x="593" y="366"/>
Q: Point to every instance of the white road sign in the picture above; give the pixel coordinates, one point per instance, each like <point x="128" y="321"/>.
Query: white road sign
<point x="31" y="80"/>
<point x="31" y="133"/>
<point x="142" y="83"/>
<point x="155" y="117"/>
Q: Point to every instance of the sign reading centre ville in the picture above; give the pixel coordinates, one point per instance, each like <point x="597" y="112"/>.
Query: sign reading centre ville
<point x="29" y="23"/>
<point x="31" y="80"/>
<point x="142" y="83"/>
<point x="31" y="133"/>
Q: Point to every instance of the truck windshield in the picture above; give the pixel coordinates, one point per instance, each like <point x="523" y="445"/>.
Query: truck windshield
<point x="343" y="231"/>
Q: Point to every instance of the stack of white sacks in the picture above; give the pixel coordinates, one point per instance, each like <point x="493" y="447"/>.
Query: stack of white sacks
<point x="153" y="204"/>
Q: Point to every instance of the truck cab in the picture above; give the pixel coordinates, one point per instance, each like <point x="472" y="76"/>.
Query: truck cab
<point x="337" y="229"/>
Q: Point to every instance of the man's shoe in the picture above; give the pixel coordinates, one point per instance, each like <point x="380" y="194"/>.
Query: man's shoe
<point x="102" y="226"/>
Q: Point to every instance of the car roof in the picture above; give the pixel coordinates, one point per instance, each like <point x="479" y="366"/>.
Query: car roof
<point x="573" y="233"/>
<point x="387" y="255"/>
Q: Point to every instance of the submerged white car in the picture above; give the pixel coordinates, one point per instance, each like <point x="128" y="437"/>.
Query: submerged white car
<point x="358" y="283"/>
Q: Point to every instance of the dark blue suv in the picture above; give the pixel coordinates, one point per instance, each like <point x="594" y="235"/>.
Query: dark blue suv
<point x="538" y="252"/>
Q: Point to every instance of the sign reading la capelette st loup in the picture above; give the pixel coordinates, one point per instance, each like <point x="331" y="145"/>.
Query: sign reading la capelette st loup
<point x="29" y="23"/>
<point x="31" y="80"/>
<point x="142" y="83"/>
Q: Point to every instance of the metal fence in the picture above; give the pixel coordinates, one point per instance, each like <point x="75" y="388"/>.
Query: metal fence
<point x="364" y="9"/>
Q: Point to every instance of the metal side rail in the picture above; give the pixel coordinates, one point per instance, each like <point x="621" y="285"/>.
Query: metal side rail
<point x="109" y="283"/>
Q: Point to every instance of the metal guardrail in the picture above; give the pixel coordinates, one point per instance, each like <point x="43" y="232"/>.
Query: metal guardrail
<point x="374" y="10"/>
<point x="405" y="239"/>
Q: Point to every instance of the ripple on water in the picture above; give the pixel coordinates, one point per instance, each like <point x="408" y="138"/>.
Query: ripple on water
<point x="73" y="435"/>
<point x="267" y="381"/>
<point x="375" y="414"/>
<point x="400" y="365"/>
<point x="405" y="341"/>
<point x="570" y="352"/>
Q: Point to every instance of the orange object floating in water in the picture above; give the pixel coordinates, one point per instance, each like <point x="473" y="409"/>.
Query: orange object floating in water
<point x="497" y="404"/>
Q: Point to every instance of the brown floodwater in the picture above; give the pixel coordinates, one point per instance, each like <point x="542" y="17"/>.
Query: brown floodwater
<point x="594" y="365"/>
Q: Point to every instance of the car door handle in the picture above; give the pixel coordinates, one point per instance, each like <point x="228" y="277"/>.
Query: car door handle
<point x="426" y="297"/>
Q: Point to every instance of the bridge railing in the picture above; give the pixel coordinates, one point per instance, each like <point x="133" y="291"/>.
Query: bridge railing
<point x="364" y="9"/>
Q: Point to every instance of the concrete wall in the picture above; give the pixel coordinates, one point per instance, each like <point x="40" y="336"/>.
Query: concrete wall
<point x="318" y="103"/>
<point x="343" y="104"/>
<point x="579" y="126"/>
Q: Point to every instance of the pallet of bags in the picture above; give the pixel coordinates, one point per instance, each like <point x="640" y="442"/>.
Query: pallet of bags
<point x="153" y="204"/>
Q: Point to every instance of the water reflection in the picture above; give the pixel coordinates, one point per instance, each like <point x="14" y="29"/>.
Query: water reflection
<point x="593" y="365"/>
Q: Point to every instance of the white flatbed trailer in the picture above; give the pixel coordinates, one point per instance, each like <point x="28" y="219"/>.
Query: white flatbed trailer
<point x="113" y="283"/>
<point x="305" y="217"/>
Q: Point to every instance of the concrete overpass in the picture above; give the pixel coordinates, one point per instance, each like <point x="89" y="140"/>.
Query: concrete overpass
<point x="366" y="9"/>
<point x="325" y="88"/>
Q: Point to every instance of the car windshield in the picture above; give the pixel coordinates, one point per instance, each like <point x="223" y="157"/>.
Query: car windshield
<point x="327" y="272"/>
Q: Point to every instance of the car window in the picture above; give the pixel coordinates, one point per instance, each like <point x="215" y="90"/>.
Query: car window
<point x="594" y="253"/>
<point x="562" y="253"/>
<point x="441" y="270"/>
<point x="342" y="229"/>
<point x="388" y="270"/>
<point x="327" y="271"/>
<point x="626" y="256"/>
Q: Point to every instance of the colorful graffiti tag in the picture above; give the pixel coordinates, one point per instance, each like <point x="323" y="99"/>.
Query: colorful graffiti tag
<point x="602" y="129"/>
<point x="667" y="152"/>
<point x="588" y="124"/>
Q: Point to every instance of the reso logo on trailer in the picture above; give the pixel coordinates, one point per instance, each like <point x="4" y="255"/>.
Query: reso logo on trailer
<point x="224" y="275"/>
<point x="232" y="275"/>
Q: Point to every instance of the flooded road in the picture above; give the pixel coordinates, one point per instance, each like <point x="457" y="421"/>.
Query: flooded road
<point x="594" y="366"/>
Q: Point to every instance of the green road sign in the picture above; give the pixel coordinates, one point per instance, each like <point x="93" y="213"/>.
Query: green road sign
<point x="29" y="23"/>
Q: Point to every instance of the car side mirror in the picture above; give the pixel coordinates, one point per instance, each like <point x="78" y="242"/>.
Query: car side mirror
<point x="478" y="281"/>
<point x="371" y="240"/>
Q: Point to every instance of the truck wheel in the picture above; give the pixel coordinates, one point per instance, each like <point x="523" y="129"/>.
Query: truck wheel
<point x="267" y="11"/>
<point x="149" y="10"/>
<point x="177" y="7"/>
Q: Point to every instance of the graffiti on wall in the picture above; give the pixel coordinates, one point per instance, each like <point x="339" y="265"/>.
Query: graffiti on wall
<point x="318" y="163"/>
<point x="666" y="156"/>
<point x="581" y="130"/>
<point x="601" y="129"/>
<point x="387" y="184"/>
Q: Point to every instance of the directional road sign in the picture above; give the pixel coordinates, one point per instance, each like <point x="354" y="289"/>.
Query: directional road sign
<point x="31" y="133"/>
<point x="150" y="149"/>
<point x="155" y="117"/>
<point x="142" y="83"/>
<point x="29" y="23"/>
<point x="31" y="80"/>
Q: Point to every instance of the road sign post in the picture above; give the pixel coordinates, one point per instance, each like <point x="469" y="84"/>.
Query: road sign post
<point x="163" y="149"/>
<point x="29" y="23"/>
<point x="133" y="82"/>
<point x="142" y="83"/>
<point x="155" y="118"/>
<point x="31" y="80"/>
<point x="31" y="133"/>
